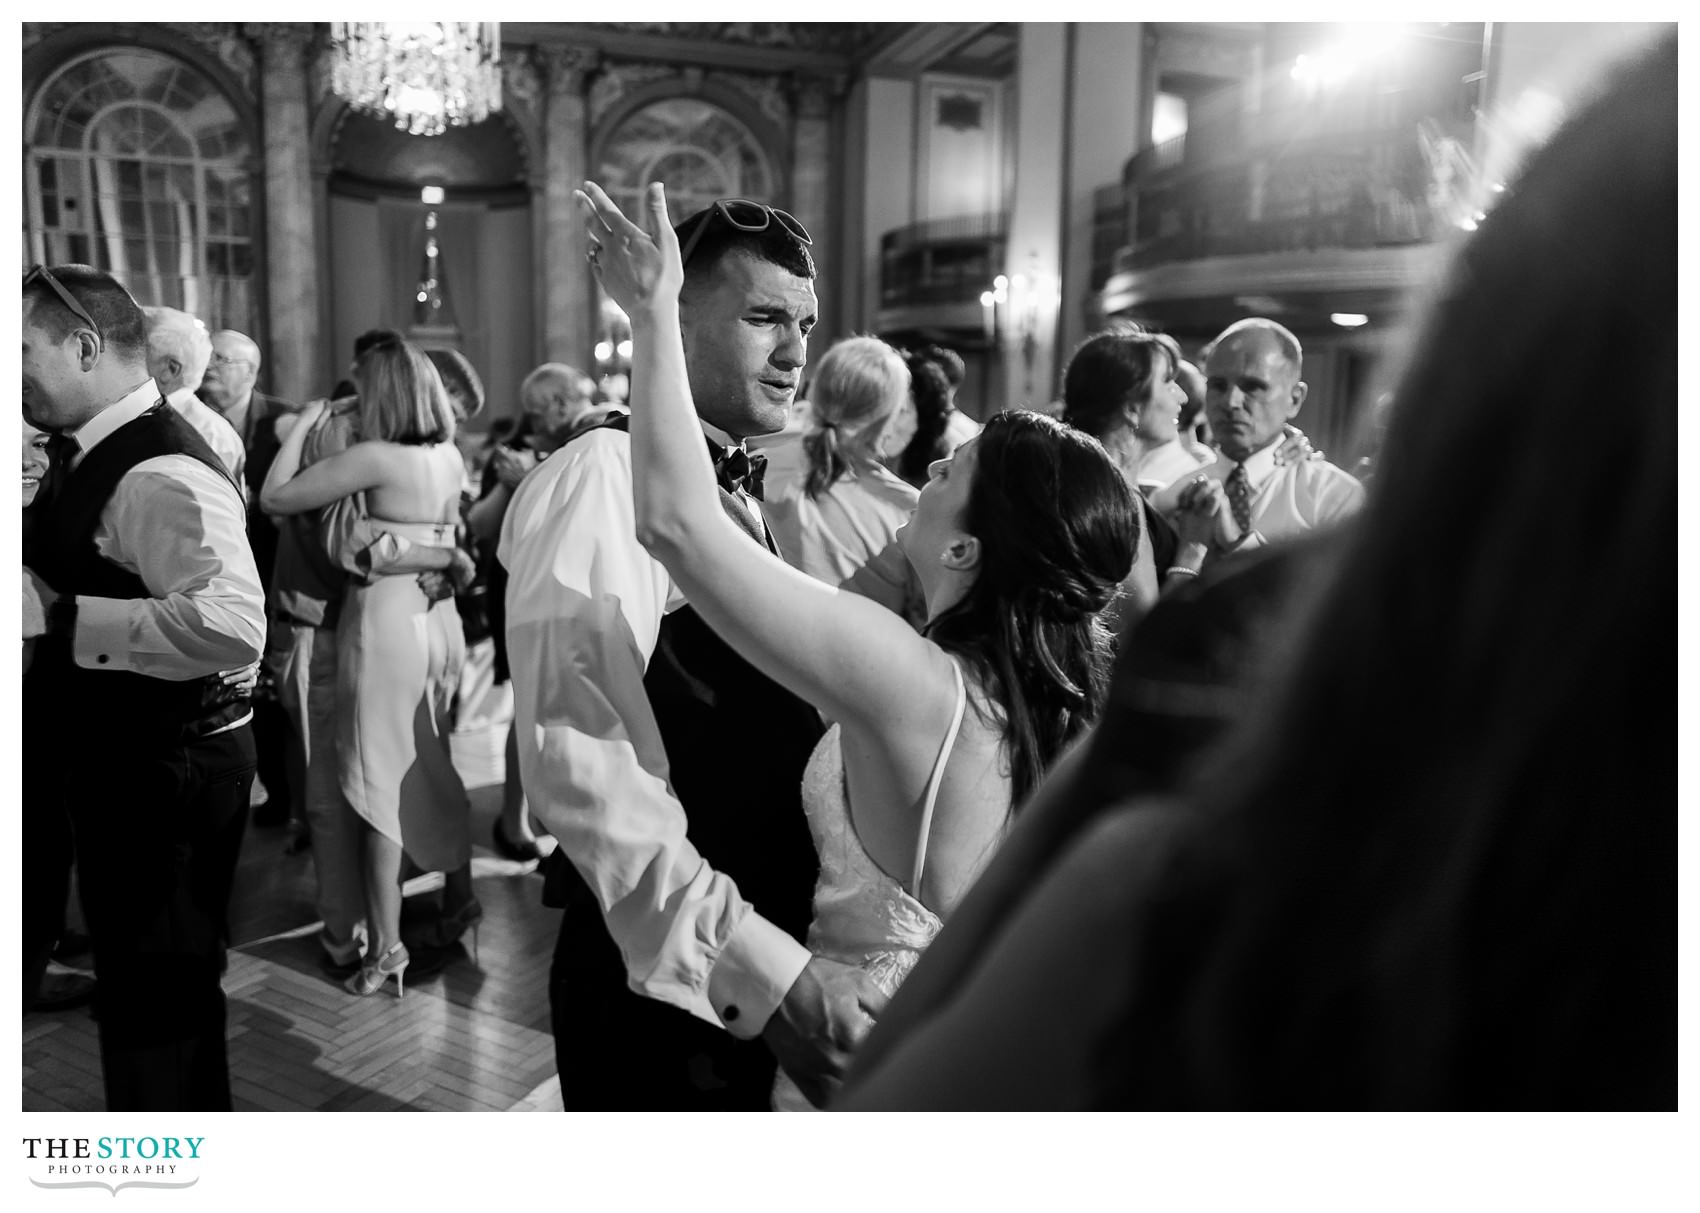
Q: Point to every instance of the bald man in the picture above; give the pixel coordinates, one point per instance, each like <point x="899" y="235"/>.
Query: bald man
<point x="179" y="349"/>
<point x="228" y="388"/>
<point x="1253" y="388"/>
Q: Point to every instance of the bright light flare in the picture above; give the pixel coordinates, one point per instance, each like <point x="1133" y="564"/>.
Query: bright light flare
<point x="1358" y="47"/>
<point x="1349" y="320"/>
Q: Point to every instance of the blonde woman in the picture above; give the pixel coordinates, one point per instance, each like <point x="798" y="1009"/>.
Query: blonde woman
<point x="829" y="501"/>
<point x="398" y="654"/>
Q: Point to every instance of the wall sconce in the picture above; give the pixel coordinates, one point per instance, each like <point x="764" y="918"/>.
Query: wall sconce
<point x="994" y="313"/>
<point x="1026" y="306"/>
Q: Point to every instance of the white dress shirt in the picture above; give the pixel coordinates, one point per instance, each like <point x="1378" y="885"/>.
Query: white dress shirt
<point x="181" y="528"/>
<point x="585" y="603"/>
<point x="219" y="433"/>
<point x="1286" y="499"/>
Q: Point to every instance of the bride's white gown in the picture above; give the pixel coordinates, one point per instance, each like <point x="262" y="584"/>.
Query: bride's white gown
<point x="862" y="916"/>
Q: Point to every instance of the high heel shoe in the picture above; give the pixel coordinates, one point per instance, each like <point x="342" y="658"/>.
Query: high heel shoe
<point x="374" y="973"/>
<point x="450" y="927"/>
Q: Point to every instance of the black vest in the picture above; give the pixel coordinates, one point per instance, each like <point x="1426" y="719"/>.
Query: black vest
<point x="736" y="743"/>
<point x="119" y="708"/>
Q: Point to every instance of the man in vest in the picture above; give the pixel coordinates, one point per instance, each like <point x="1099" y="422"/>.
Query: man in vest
<point x="145" y="591"/>
<point x="668" y="768"/>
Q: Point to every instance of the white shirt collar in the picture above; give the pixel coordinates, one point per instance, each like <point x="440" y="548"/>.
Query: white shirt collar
<point x="720" y="437"/>
<point x="1261" y="465"/>
<point x="109" y="419"/>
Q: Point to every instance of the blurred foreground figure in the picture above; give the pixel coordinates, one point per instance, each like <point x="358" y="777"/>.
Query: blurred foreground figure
<point x="1434" y="865"/>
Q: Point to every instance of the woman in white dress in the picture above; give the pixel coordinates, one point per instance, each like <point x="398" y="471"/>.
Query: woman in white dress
<point x="830" y="503"/>
<point x="1018" y="542"/>
<point x="398" y="654"/>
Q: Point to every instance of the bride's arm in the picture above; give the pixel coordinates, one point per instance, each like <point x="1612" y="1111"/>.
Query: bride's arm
<point x="851" y="658"/>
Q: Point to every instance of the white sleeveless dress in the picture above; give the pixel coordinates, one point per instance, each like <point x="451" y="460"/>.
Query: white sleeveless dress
<point x="862" y="916"/>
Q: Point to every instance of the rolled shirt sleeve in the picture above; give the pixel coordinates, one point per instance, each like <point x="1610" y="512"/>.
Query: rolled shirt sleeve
<point x="181" y="528"/>
<point x="585" y="603"/>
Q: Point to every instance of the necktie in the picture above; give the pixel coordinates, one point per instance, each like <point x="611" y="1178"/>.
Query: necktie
<point x="1239" y="496"/>
<point x="736" y="470"/>
<point x="61" y="450"/>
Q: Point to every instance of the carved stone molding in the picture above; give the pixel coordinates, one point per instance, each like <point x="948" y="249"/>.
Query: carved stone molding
<point x="562" y="70"/>
<point x="812" y="96"/>
<point x="768" y="92"/>
<point x="846" y="38"/>
<point x="226" y="41"/>
<point x="522" y="79"/>
<point x="280" y="41"/>
<point x="618" y="79"/>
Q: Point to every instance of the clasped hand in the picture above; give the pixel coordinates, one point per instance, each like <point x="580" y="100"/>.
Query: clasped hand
<point x="1203" y="515"/>
<point x="639" y="267"/>
<point x="826" y="1014"/>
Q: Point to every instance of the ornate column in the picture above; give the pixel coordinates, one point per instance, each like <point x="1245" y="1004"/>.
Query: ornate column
<point x="811" y="154"/>
<point x="812" y="174"/>
<point x="569" y="291"/>
<point x="292" y="284"/>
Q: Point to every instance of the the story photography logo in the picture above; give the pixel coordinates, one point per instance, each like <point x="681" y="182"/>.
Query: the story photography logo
<point x="113" y="1163"/>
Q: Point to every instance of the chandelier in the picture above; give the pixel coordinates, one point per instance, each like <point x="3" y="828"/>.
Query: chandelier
<point x="426" y="76"/>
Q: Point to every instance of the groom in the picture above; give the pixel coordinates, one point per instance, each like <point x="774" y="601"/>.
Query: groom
<point x="668" y="768"/>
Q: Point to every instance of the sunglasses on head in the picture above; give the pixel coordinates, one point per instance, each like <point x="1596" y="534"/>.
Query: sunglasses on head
<point x="40" y="273"/>
<point x="747" y="216"/>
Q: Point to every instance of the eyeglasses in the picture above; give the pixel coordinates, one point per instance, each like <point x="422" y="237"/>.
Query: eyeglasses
<point x="40" y="273"/>
<point x="746" y="216"/>
<point x="221" y="360"/>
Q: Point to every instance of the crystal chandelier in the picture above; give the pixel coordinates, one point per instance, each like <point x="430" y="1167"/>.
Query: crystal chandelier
<point x="426" y="76"/>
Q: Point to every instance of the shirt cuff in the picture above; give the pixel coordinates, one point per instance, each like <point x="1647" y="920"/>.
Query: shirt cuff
<point x="752" y="975"/>
<point x="102" y="638"/>
<point x="383" y="553"/>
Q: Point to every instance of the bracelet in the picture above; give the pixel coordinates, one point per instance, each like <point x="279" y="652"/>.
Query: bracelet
<point x="1181" y="569"/>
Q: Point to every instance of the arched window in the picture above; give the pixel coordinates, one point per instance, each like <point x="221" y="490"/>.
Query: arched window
<point x="138" y="164"/>
<point x="702" y="152"/>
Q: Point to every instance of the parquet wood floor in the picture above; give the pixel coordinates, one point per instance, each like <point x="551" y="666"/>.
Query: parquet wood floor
<point x="472" y="1038"/>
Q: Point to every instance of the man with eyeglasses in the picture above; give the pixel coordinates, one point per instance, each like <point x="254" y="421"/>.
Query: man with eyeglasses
<point x="668" y="768"/>
<point x="179" y="350"/>
<point x="144" y="591"/>
<point x="228" y="387"/>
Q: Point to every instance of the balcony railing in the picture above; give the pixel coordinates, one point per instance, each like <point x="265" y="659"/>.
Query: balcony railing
<point x="1266" y="190"/>
<point x="942" y="260"/>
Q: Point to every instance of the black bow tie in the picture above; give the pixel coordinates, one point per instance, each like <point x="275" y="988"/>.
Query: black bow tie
<point x="736" y="470"/>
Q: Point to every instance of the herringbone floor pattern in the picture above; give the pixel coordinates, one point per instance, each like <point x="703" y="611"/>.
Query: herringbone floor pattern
<point x="473" y="1037"/>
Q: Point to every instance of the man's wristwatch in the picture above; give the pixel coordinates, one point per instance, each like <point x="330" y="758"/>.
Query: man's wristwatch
<point x="62" y="616"/>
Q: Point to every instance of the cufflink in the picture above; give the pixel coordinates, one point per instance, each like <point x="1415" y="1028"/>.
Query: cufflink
<point x="729" y="1015"/>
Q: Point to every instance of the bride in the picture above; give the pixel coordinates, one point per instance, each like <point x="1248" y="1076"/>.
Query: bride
<point x="1018" y="541"/>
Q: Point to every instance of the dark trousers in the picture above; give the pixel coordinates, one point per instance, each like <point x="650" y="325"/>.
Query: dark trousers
<point x="284" y="794"/>
<point x="46" y="839"/>
<point x="157" y="836"/>
<point x="620" y="1051"/>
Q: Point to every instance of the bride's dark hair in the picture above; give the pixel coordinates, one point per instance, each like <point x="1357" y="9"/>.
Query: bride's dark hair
<point x="1057" y="530"/>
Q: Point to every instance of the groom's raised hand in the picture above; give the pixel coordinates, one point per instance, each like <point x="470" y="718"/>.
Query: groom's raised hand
<point x="827" y="1012"/>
